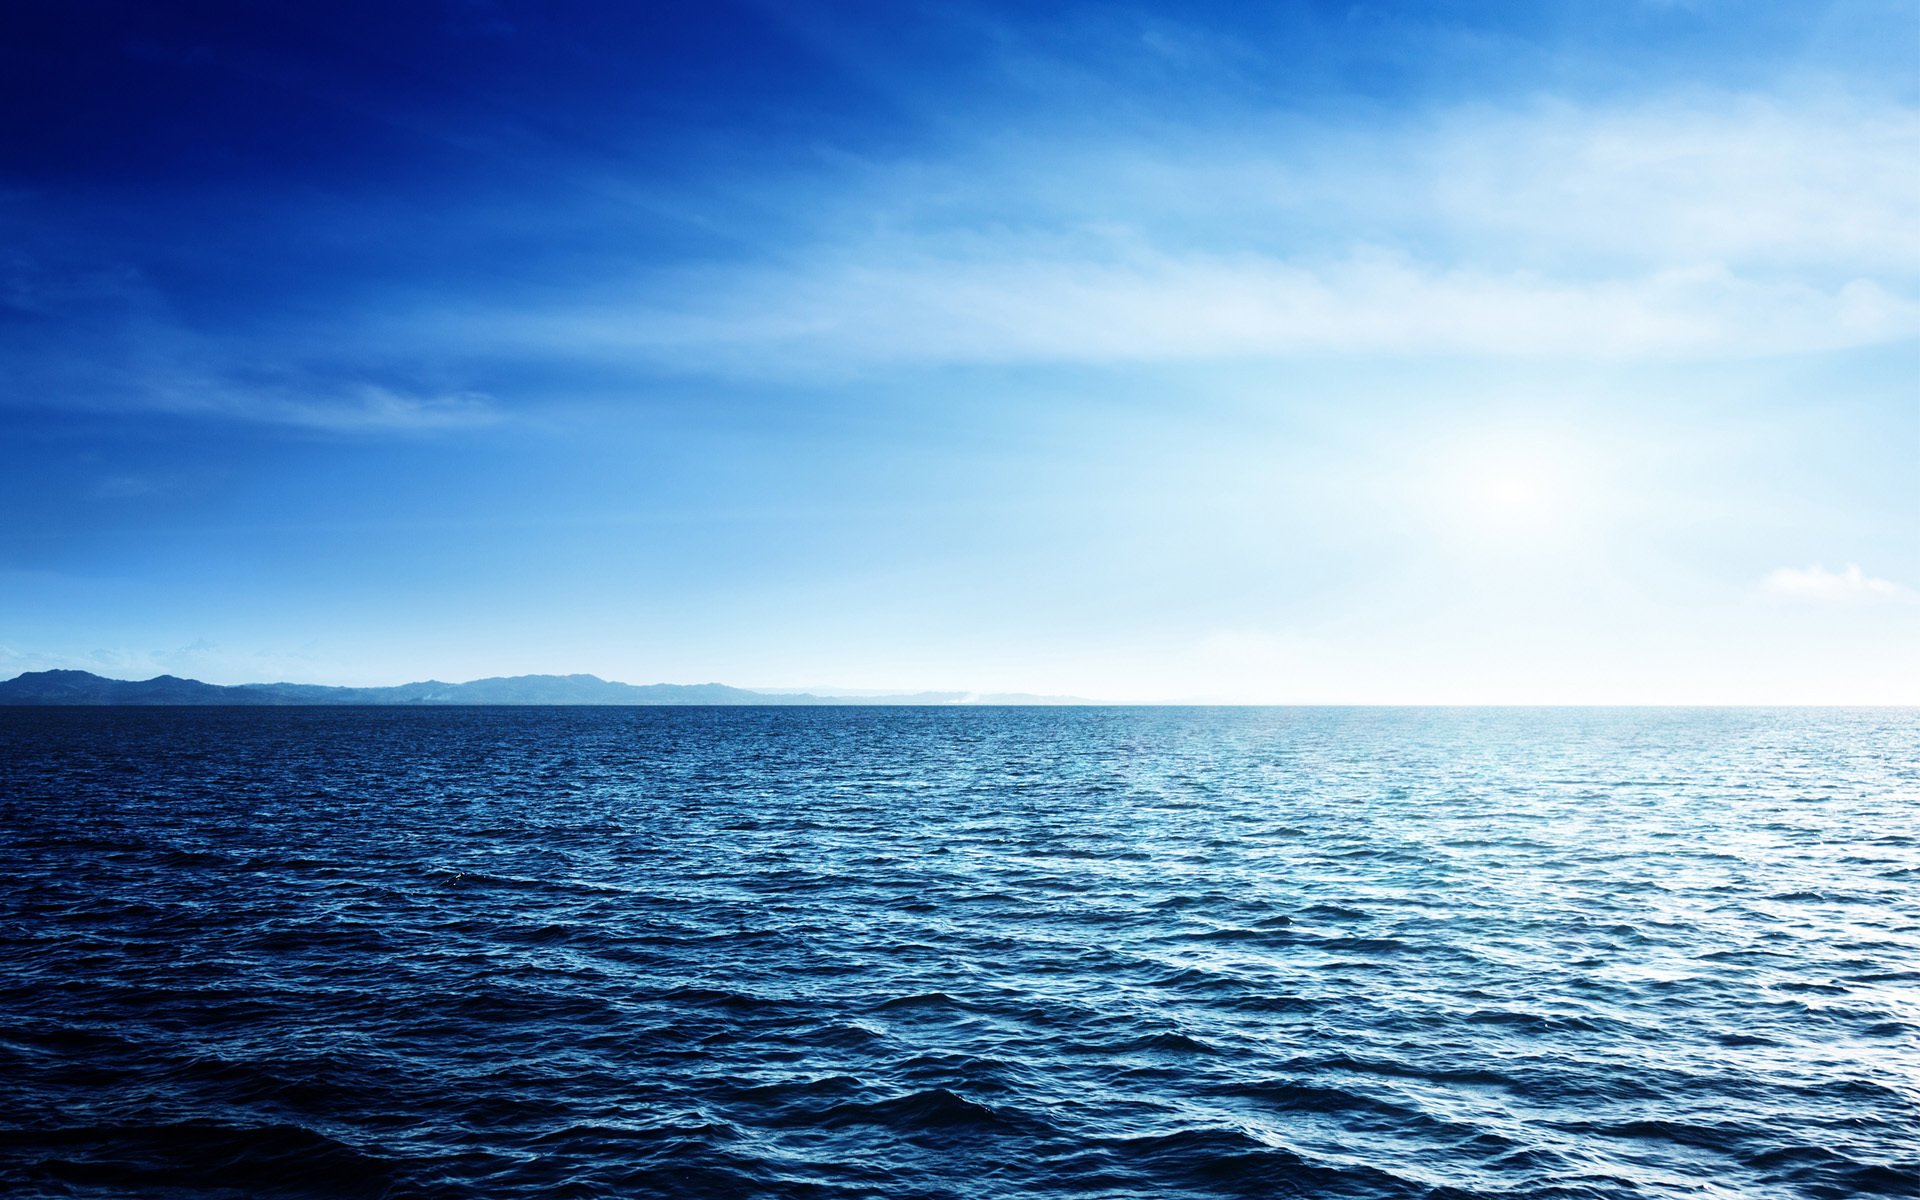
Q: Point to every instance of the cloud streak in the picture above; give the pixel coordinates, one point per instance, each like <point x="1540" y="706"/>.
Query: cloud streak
<point x="356" y="409"/>
<point x="1818" y="584"/>
<point x="1705" y="227"/>
<point x="1696" y="227"/>
<point x="1009" y="307"/>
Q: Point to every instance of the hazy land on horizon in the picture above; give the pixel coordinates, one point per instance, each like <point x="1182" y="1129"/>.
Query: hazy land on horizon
<point x="70" y="687"/>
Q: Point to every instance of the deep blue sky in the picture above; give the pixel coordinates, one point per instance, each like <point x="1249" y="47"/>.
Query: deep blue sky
<point x="1301" y="352"/>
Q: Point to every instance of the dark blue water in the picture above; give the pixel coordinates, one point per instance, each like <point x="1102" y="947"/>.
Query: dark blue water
<point x="959" y="953"/>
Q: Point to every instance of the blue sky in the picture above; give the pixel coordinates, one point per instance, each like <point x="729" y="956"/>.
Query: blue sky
<point x="1559" y="352"/>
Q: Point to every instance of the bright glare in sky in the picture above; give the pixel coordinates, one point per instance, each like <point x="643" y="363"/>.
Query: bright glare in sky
<point x="1510" y="489"/>
<point x="1514" y="494"/>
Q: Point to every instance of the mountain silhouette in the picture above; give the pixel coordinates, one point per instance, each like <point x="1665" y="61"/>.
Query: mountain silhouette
<point x="85" y="688"/>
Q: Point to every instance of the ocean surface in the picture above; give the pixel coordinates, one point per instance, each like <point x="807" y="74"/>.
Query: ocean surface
<point x="959" y="953"/>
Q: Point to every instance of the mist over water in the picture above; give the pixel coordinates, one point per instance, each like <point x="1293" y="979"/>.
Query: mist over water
<point x="960" y="953"/>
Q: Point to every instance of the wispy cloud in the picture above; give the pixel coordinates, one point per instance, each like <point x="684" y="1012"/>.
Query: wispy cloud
<point x="1817" y="583"/>
<point x="158" y="367"/>
<point x="1696" y="226"/>
<point x="318" y="405"/>
<point x="1703" y="227"/>
<point x="1819" y="184"/>
<point x="1004" y="306"/>
<point x="356" y="409"/>
<point x="88" y="332"/>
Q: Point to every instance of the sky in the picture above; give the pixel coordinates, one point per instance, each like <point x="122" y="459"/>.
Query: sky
<point x="1560" y="352"/>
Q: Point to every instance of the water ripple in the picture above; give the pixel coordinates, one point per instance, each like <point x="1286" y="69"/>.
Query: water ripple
<point x="960" y="953"/>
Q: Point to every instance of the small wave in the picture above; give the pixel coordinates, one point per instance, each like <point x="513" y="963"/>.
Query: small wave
<point x="1704" y="1137"/>
<point x="1827" y="1173"/>
<point x="922" y="1000"/>
<point x="935" y="1108"/>
<point x="288" y="1161"/>
<point x="1407" y="1070"/>
<point x="707" y="997"/>
<point x="1336" y="912"/>
<point x="1536" y="1022"/>
<point x="1303" y="1096"/>
<point x="1231" y="1162"/>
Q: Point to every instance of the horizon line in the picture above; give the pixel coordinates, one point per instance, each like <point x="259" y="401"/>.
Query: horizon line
<point x="781" y="697"/>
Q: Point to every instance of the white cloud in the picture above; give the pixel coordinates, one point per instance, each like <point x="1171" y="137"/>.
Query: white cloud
<point x="365" y="409"/>
<point x="320" y="405"/>
<point x="1028" y="307"/>
<point x="1823" y="183"/>
<point x="1701" y="227"/>
<point x="1698" y="226"/>
<point x="1819" y="584"/>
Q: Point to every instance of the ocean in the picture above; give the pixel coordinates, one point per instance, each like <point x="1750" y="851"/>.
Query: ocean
<point x="959" y="952"/>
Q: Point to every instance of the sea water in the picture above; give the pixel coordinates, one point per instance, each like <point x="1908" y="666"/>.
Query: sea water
<point x="894" y="952"/>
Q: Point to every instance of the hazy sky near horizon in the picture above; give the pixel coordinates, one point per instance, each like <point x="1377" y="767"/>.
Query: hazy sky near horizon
<point x="1420" y="352"/>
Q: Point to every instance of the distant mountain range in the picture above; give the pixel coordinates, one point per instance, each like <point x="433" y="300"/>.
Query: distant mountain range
<point x="84" y="687"/>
